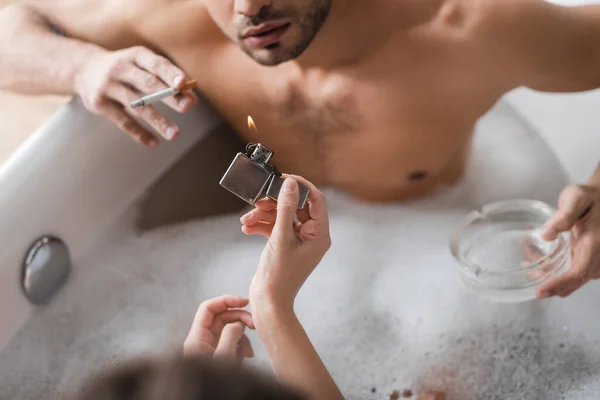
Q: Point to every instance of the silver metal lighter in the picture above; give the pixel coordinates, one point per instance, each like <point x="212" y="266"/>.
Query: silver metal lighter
<point x="251" y="178"/>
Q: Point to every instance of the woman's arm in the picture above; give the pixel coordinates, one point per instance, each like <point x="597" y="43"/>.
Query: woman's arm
<point x="293" y="251"/>
<point x="293" y="357"/>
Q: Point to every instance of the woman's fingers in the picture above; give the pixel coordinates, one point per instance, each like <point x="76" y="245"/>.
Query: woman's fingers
<point x="259" y="229"/>
<point x="316" y="206"/>
<point x="257" y="216"/>
<point x="228" y="341"/>
<point x="231" y="316"/>
<point x="245" y="349"/>
<point x="209" y="310"/>
<point x="259" y="221"/>
<point x="266" y="204"/>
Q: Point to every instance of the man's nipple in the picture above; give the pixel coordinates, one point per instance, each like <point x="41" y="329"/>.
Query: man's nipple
<point x="417" y="176"/>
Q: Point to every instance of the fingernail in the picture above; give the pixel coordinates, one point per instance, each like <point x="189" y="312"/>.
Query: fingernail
<point x="185" y="104"/>
<point x="289" y="185"/>
<point x="177" y="80"/>
<point x="548" y="232"/>
<point x="171" y="132"/>
<point x="544" y="295"/>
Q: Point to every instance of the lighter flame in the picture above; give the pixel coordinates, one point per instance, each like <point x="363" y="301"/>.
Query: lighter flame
<point x="251" y="124"/>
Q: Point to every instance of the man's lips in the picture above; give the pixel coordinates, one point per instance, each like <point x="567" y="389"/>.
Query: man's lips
<point x="265" y="34"/>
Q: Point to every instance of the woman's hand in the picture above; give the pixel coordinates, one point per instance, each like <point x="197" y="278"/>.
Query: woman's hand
<point x="219" y="329"/>
<point x="297" y="241"/>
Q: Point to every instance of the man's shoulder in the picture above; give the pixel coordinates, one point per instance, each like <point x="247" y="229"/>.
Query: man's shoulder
<point x="502" y="14"/>
<point x="176" y="22"/>
<point x="480" y="22"/>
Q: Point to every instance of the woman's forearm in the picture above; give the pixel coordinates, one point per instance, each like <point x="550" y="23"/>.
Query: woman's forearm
<point x="293" y="357"/>
<point x="33" y="58"/>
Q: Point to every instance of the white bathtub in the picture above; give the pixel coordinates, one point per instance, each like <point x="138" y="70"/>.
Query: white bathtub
<point x="71" y="179"/>
<point x="79" y="156"/>
<point x="77" y="174"/>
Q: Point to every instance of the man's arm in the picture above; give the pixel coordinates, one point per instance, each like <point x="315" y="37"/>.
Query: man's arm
<point x="86" y="60"/>
<point x="544" y="46"/>
<point x="35" y="59"/>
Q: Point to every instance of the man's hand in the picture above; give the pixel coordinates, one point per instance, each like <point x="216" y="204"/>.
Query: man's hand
<point x="579" y="212"/>
<point x="219" y="329"/>
<point x="110" y="81"/>
<point x="294" y="247"/>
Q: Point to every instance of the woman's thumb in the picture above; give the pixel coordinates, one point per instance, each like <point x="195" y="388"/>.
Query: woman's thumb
<point x="287" y="205"/>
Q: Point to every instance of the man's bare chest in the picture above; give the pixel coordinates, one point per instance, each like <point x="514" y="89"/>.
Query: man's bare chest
<point x="370" y="125"/>
<point x="330" y="102"/>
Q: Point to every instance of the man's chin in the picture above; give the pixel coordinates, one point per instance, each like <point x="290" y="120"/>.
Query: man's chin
<point x="270" y="57"/>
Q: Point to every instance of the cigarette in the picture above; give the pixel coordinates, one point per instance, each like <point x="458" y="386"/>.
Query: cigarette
<point x="161" y="94"/>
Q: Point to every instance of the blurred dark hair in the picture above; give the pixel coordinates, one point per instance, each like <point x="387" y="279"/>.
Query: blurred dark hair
<point x="184" y="378"/>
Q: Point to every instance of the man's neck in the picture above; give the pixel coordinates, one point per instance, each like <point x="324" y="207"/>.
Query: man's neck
<point x="343" y="36"/>
<point x="356" y="27"/>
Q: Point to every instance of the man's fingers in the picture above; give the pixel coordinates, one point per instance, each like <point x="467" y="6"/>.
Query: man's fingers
<point x="228" y="342"/>
<point x="155" y="119"/>
<point x="287" y="204"/>
<point x="186" y="99"/>
<point x="128" y="124"/>
<point x="257" y="215"/>
<point x="170" y="74"/>
<point x="159" y="66"/>
<point x="265" y="230"/>
<point x="574" y="201"/>
<point x="148" y="83"/>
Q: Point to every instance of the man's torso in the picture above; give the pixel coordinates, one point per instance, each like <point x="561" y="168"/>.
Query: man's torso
<point x="397" y="123"/>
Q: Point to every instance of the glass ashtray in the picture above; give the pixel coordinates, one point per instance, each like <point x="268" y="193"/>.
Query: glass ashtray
<point x="501" y="254"/>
